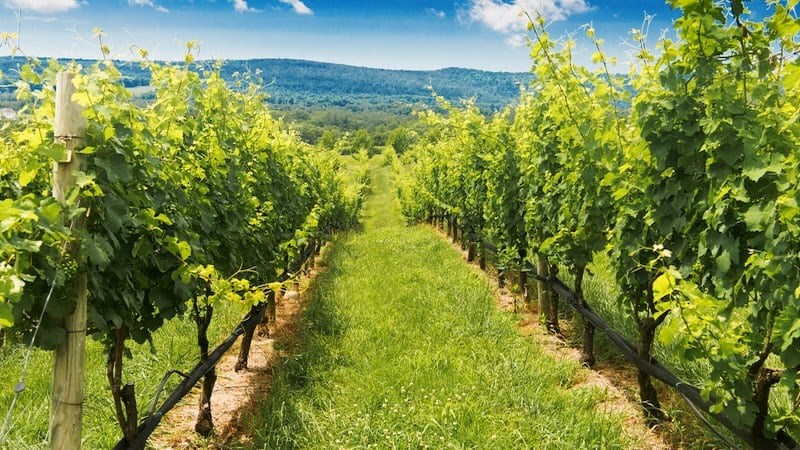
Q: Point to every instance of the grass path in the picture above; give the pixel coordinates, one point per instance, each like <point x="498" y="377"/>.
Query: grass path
<point x="401" y="346"/>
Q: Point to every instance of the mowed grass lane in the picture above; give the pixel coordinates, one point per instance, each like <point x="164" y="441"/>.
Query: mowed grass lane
<point x="401" y="346"/>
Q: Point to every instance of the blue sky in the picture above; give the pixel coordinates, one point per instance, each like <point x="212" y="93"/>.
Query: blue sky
<point x="413" y="34"/>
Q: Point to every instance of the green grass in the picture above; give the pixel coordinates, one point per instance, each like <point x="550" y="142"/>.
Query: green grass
<point x="175" y="348"/>
<point x="401" y="346"/>
<point x="684" y="430"/>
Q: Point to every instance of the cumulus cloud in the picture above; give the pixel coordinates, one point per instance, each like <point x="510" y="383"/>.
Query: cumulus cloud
<point x="515" y="40"/>
<point x="241" y="6"/>
<point x="504" y="17"/>
<point x="299" y="7"/>
<point x="42" y="6"/>
<point x="148" y="3"/>
<point x="435" y="13"/>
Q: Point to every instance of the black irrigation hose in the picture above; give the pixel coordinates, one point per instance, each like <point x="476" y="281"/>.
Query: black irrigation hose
<point x="690" y="393"/>
<point x="252" y="319"/>
<point x="653" y="368"/>
<point x="702" y="418"/>
<point x="161" y="389"/>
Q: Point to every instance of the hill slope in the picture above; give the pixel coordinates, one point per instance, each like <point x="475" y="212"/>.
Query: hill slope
<point x="316" y="84"/>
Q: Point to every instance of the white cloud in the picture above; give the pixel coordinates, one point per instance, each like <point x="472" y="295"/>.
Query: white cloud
<point x="149" y="3"/>
<point x="299" y="7"/>
<point x="42" y="6"/>
<point x="505" y="17"/>
<point x="241" y="6"/>
<point x="516" y="40"/>
<point x="43" y="19"/>
<point x="435" y="13"/>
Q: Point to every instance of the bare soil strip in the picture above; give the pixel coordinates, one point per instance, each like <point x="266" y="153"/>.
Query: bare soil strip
<point x="617" y="380"/>
<point x="236" y="393"/>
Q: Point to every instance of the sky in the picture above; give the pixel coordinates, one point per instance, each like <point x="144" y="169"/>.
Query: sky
<point x="411" y="34"/>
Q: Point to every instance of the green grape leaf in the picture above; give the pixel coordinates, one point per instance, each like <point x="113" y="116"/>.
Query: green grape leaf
<point x="50" y="337"/>
<point x="59" y="310"/>
<point x="53" y="150"/>
<point x="756" y="217"/>
<point x="97" y="250"/>
<point x="28" y="174"/>
<point x="663" y="286"/>
<point x="755" y="168"/>
<point x="51" y="212"/>
<point x="116" y="168"/>
<point x="724" y="260"/>
<point x="6" y="315"/>
<point x="737" y="8"/>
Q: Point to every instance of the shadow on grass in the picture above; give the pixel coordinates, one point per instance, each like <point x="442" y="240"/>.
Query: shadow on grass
<point x="319" y="326"/>
<point x="273" y="421"/>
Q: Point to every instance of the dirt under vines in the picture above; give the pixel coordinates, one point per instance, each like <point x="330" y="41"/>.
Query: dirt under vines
<point x="238" y="392"/>
<point x="610" y="373"/>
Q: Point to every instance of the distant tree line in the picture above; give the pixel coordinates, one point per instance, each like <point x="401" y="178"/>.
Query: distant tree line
<point x="334" y="105"/>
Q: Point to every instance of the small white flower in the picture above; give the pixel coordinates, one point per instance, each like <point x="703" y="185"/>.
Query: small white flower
<point x="662" y="252"/>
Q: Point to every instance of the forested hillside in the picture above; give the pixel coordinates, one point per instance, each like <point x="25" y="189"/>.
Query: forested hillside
<point x="313" y="84"/>
<point x="332" y="103"/>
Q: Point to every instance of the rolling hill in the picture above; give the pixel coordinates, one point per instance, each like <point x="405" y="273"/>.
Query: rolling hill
<point x="316" y="85"/>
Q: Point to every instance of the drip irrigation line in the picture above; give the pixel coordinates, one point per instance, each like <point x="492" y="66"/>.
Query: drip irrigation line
<point x="701" y="417"/>
<point x="690" y="393"/>
<point x="253" y="317"/>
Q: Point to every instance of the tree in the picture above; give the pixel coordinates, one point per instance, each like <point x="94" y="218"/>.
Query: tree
<point x="328" y="139"/>
<point x="362" y="140"/>
<point x="400" y="139"/>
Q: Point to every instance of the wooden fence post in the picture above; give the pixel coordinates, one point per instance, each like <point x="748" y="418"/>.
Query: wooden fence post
<point x="66" y="401"/>
<point x="545" y="293"/>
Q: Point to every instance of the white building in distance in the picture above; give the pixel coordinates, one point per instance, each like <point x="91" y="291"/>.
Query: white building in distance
<point x="8" y="114"/>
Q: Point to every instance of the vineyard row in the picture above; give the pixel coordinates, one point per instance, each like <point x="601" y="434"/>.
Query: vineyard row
<point x="684" y="172"/>
<point x="190" y="203"/>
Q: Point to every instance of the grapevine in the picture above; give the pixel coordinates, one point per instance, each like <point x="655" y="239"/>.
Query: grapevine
<point x="189" y="201"/>
<point x="684" y="172"/>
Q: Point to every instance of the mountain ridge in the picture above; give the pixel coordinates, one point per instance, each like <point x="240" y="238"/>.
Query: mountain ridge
<point x="340" y="84"/>
<point x="317" y="84"/>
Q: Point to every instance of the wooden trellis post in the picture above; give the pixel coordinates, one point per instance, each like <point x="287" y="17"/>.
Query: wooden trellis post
<point x="545" y="293"/>
<point x="66" y="401"/>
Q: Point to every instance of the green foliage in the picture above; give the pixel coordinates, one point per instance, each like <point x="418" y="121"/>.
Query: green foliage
<point x="400" y="140"/>
<point x="328" y="139"/>
<point x="685" y="172"/>
<point x="447" y="176"/>
<point x="434" y="364"/>
<point x="33" y="234"/>
<point x="198" y="194"/>
<point x="734" y="172"/>
<point x="361" y="141"/>
<point x="321" y="125"/>
<point x="567" y="130"/>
